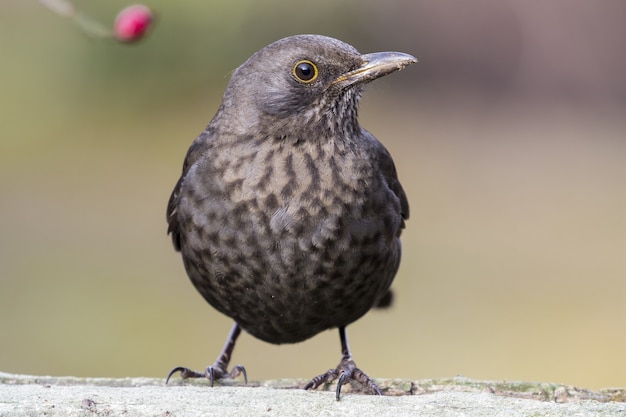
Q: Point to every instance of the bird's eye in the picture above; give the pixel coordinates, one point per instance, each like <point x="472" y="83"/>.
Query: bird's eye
<point x="305" y="72"/>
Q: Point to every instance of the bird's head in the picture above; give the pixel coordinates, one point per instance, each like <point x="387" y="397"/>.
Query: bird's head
<point x="302" y="84"/>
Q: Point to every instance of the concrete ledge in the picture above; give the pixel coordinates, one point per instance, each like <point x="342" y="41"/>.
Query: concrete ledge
<point x="23" y="395"/>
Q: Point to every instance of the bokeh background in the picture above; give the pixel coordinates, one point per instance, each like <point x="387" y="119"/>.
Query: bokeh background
<point x="509" y="136"/>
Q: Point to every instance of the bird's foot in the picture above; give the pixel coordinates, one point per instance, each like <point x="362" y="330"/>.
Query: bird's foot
<point x="219" y="369"/>
<point x="346" y="371"/>
<point x="211" y="373"/>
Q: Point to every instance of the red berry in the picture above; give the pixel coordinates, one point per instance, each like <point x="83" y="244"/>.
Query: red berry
<point x="132" y="23"/>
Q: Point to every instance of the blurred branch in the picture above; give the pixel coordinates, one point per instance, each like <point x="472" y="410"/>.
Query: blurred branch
<point x="131" y="23"/>
<point x="60" y="7"/>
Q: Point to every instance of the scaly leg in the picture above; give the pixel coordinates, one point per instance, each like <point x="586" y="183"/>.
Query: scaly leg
<point x="219" y="369"/>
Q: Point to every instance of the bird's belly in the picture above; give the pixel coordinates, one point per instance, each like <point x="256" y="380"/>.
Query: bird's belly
<point x="287" y="274"/>
<point x="291" y="249"/>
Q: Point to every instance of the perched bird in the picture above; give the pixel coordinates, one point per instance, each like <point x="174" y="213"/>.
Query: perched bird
<point x="288" y="214"/>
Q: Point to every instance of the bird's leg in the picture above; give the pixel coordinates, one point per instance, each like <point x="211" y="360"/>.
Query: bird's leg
<point x="219" y="369"/>
<point x="345" y="371"/>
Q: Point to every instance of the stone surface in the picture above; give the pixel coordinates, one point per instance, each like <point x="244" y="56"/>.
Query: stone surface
<point x="22" y="395"/>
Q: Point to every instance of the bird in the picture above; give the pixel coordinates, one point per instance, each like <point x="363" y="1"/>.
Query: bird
<point x="288" y="213"/>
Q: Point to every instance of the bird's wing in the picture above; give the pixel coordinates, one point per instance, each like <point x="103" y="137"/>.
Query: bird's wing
<point x="197" y="148"/>
<point x="388" y="169"/>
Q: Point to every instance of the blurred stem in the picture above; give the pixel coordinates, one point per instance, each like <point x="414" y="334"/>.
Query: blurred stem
<point x="87" y="24"/>
<point x="62" y="7"/>
<point x="92" y="27"/>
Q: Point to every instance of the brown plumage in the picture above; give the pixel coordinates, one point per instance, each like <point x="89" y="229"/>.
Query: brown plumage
<point x="288" y="214"/>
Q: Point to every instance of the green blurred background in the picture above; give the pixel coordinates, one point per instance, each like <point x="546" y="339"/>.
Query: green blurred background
<point x="509" y="136"/>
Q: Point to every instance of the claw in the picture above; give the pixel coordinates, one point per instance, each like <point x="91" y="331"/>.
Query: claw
<point x="326" y="377"/>
<point x="211" y="373"/>
<point x="218" y="369"/>
<point x="340" y="382"/>
<point x="238" y="370"/>
<point x="364" y="379"/>
<point x="184" y="373"/>
<point x="345" y="371"/>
